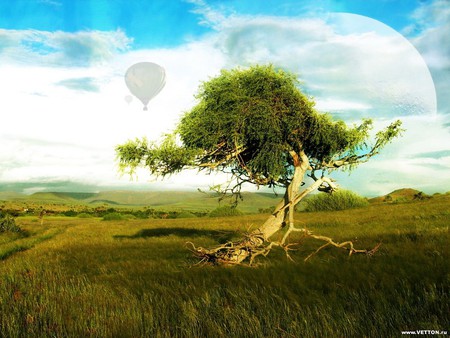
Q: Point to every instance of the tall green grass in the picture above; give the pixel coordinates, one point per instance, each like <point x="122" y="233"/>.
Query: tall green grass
<point x="134" y="278"/>
<point x="339" y="200"/>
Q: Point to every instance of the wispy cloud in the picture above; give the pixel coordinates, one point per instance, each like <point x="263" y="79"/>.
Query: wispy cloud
<point x="431" y="35"/>
<point x="378" y="68"/>
<point x="434" y="154"/>
<point x="61" y="48"/>
<point x="209" y="15"/>
<point x="87" y="84"/>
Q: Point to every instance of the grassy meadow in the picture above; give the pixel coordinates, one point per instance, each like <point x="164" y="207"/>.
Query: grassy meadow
<point x="87" y="277"/>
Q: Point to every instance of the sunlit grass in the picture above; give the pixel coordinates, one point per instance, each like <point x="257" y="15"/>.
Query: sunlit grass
<point x="80" y="277"/>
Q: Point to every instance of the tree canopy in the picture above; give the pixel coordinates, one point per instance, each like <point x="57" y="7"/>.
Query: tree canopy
<point x="248" y="122"/>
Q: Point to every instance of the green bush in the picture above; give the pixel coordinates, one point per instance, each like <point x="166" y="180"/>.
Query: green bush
<point x="225" y="211"/>
<point x="339" y="200"/>
<point x="114" y="216"/>
<point x="186" y="214"/>
<point x="70" y="213"/>
<point x="8" y="224"/>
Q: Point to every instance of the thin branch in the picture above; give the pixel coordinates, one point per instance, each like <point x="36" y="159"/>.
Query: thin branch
<point x="225" y="159"/>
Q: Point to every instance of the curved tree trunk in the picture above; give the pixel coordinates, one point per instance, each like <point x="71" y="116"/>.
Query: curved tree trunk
<point x="235" y="253"/>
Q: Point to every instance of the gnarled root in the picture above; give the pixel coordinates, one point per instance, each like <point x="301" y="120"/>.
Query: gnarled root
<point x="235" y="253"/>
<point x="230" y="253"/>
<point x="348" y="245"/>
<point x="226" y="254"/>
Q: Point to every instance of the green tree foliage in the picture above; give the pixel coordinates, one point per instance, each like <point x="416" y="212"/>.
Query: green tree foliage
<point x="247" y="121"/>
<point x="8" y="224"/>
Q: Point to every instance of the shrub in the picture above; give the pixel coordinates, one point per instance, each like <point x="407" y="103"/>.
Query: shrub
<point x="266" y="210"/>
<point x="142" y="214"/>
<point x="8" y="223"/>
<point x="186" y="214"/>
<point x="70" y="213"/>
<point x="225" y="211"/>
<point x="339" y="200"/>
<point x="114" y="216"/>
<point x="421" y="196"/>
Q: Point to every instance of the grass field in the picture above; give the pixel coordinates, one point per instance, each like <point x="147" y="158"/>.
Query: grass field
<point x="78" y="277"/>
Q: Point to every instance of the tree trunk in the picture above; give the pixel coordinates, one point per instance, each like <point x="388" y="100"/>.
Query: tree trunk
<point x="236" y="253"/>
<point x="259" y="242"/>
<point x="283" y="213"/>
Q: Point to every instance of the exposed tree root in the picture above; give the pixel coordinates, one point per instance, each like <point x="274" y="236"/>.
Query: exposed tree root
<point x="235" y="253"/>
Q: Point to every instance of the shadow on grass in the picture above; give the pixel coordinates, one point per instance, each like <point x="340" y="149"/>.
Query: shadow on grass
<point x="220" y="236"/>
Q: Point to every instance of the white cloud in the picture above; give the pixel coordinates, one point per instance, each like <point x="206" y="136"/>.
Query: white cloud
<point x="334" y="105"/>
<point x="61" y="119"/>
<point x="431" y="36"/>
<point x="378" y="67"/>
<point x="208" y="15"/>
<point x="419" y="159"/>
<point x="429" y="14"/>
<point x="70" y="134"/>
<point x="77" y="49"/>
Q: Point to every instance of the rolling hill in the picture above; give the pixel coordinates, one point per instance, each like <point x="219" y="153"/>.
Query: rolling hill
<point x="174" y="200"/>
<point x="400" y="195"/>
<point x="167" y="200"/>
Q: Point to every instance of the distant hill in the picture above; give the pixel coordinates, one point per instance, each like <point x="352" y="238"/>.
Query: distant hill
<point x="58" y="197"/>
<point x="400" y="195"/>
<point x="10" y="195"/>
<point x="174" y="200"/>
<point x="167" y="200"/>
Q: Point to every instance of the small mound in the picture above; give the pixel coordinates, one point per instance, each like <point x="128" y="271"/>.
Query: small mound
<point x="400" y="195"/>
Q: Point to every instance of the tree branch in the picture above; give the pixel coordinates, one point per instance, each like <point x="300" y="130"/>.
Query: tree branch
<point x="382" y="139"/>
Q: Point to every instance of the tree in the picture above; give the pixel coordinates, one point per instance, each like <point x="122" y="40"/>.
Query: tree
<point x="256" y="124"/>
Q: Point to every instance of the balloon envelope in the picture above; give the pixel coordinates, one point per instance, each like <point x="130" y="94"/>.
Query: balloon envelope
<point x="145" y="80"/>
<point x="128" y="99"/>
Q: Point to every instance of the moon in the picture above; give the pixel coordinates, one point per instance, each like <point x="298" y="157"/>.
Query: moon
<point x="371" y="70"/>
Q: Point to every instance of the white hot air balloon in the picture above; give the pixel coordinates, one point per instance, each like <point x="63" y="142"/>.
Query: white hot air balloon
<point x="145" y="80"/>
<point x="128" y="98"/>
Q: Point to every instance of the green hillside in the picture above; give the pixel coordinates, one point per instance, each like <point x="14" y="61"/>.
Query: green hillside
<point x="174" y="200"/>
<point x="10" y="195"/>
<point x="59" y="197"/>
<point x="167" y="200"/>
<point x="399" y="195"/>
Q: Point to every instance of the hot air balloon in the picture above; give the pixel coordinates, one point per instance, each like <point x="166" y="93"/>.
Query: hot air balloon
<point x="128" y="98"/>
<point x="145" y="80"/>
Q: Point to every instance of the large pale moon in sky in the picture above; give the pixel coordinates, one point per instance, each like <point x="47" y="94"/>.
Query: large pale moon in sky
<point x="372" y="69"/>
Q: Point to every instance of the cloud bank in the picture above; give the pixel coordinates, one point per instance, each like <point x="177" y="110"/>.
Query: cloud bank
<point x="65" y="109"/>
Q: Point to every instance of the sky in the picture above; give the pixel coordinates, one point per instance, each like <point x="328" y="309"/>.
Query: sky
<point x="65" y="105"/>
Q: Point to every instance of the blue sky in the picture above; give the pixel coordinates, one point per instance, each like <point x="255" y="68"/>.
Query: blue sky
<point x="159" y="23"/>
<point x="150" y="23"/>
<point x="65" y="104"/>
